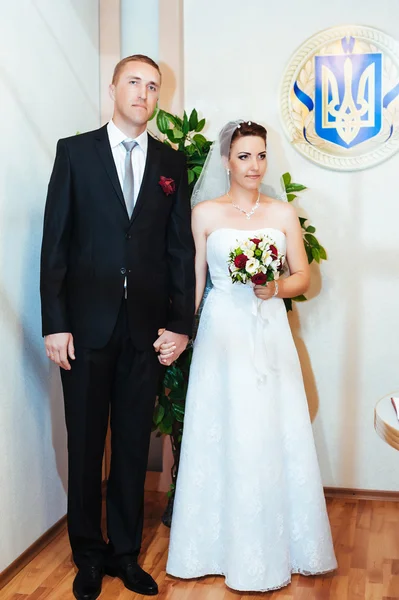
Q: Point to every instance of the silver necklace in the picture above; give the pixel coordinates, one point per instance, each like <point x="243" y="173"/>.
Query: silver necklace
<point x="246" y="213"/>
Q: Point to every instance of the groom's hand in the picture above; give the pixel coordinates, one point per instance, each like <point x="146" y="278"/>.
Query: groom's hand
<point x="58" y="347"/>
<point x="170" y="345"/>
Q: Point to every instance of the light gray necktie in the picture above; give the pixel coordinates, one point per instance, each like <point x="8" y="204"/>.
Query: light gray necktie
<point x="128" y="182"/>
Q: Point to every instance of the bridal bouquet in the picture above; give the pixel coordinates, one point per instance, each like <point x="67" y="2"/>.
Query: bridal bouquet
<point x="255" y="260"/>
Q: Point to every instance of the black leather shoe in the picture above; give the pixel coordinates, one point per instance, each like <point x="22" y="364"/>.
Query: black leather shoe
<point x="87" y="583"/>
<point x="134" y="578"/>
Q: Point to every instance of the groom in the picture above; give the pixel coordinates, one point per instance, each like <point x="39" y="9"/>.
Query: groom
<point x="117" y="265"/>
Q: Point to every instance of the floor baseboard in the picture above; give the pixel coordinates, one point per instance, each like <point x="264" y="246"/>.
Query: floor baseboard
<point x="358" y="494"/>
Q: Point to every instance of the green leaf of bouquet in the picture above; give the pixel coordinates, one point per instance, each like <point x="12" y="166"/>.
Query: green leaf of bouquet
<point x="198" y="170"/>
<point x="287" y="179"/>
<point x="300" y="298"/>
<point x="316" y="254"/>
<point x="200" y="125"/>
<point x="313" y="241"/>
<point x="193" y="120"/>
<point x="302" y="221"/>
<point x="311" y="229"/>
<point x="294" y="187"/>
<point x="291" y="197"/>
<point x="191" y="176"/>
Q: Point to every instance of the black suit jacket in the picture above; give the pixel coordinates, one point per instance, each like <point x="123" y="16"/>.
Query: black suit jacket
<point x="90" y="245"/>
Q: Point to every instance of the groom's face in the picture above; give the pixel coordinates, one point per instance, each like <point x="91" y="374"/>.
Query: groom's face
<point x="136" y="92"/>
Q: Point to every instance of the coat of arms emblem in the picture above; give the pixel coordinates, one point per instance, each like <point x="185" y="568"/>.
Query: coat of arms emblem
<point x="340" y="98"/>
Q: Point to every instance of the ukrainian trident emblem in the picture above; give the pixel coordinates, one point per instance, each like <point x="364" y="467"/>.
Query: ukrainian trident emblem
<point x="341" y="106"/>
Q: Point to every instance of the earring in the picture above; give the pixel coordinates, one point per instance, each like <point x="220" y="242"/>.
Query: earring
<point x="228" y="172"/>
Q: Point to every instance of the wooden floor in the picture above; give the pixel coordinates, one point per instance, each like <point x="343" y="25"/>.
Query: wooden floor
<point x="366" y="538"/>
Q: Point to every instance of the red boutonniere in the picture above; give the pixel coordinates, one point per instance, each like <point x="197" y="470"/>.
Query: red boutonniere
<point x="168" y="185"/>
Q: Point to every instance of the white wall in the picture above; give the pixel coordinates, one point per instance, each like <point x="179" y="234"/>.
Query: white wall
<point x="49" y="88"/>
<point x="235" y="55"/>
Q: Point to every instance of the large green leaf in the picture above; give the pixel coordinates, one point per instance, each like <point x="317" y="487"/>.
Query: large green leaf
<point x="300" y="298"/>
<point x="162" y="122"/>
<point x="199" y="140"/>
<point x="193" y="122"/>
<point x="200" y="125"/>
<point x="178" y="412"/>
<point x="311" y="229"/>
<point x="288" y="304"/>
<point x="286" y="179"/>
<point x="178" y="133"/>
<point x="173" y="377"/>
<point x="196" y="160"/>
<point x="186" y="128"/>
<point x="316" y="254"/>
<point x="291" y="197"/>
<point x="294" y="187"/>
<point x="158" y="414"/>
<point x="171" y="135"/>
<point x="323" y="253"/>
<point x="302" y="221"/>
<point x="313" y="241"/>
<point x="309" y="253"/>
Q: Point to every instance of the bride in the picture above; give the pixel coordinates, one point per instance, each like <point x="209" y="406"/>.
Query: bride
<point x="249" y="501"/>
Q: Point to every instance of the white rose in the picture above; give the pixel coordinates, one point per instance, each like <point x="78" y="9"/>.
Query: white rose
<point x="262" y="245"/>
<point x="275" y="264"/>
<point x="252" y="266"/>
<point x="248" y="248"/>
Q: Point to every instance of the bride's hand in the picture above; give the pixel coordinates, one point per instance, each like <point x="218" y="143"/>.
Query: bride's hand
<point x="264" y="292"/>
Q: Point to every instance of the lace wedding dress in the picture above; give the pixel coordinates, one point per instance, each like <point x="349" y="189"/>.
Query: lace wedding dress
<point x="249" y="501"/>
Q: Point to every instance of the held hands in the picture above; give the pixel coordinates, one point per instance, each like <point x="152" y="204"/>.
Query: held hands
<point x="264" y="292"/>
<point x="59" y="346"/>
<point x="170" y="345"/>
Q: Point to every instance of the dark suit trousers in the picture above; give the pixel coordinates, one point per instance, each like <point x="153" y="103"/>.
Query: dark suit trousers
<point x="124" y="380"/>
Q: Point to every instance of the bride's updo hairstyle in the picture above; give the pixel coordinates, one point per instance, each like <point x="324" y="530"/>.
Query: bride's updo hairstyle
<point x="232" y="131"/>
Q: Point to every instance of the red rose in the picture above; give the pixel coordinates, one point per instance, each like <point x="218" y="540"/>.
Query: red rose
<point x="274" y="252"/>
<point x="259" y="279"/>
<point x="240" y="261"/>
<point x="256" y="241"/>
<point x="168" y="185"/>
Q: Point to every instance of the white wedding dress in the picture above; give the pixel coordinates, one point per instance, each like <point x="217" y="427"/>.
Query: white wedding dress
<point x="249" y="501"/>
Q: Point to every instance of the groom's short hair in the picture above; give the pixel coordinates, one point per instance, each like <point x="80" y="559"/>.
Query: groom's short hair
<point x="134" y="58"/>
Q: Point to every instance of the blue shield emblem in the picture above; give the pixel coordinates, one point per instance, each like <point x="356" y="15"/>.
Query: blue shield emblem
<point x="348" y="97"/>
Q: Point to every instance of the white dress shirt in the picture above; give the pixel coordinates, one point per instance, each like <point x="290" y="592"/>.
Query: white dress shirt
<point x="138" y="155"/>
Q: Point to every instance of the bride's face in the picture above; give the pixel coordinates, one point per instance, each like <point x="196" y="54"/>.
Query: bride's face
<point x="247" y="162"/>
